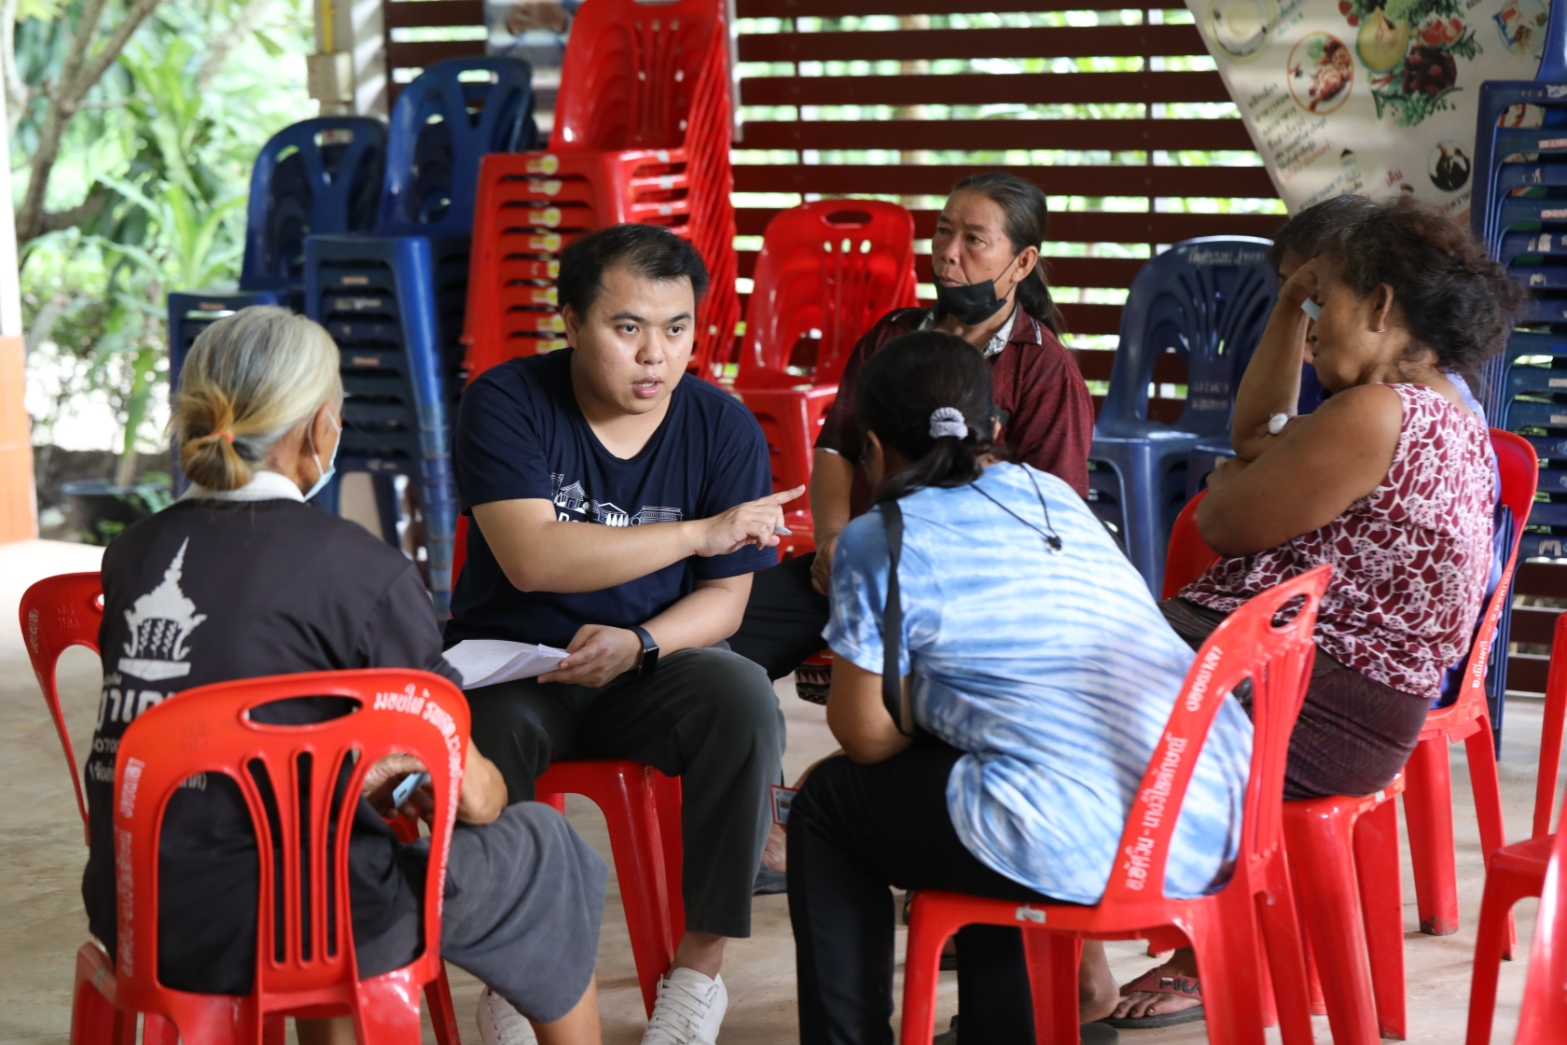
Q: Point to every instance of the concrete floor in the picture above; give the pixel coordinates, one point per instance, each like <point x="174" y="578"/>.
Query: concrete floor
<point x="41" y="857"/>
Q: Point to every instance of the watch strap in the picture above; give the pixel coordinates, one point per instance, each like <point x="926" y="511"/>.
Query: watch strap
<point x="649" y="658"/>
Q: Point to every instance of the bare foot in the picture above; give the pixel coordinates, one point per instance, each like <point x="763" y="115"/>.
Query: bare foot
<point x="1097" y="992"/>
<point x="775" y="853"/>
<point x="1182" y="966"/>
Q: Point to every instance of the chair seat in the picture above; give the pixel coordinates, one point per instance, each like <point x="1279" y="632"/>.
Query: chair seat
<point x="1523" y="859"/>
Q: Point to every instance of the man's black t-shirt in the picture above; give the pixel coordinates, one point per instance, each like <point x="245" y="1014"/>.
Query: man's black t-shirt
<point x="210" y="591"/>
<point x="521" y="435"/>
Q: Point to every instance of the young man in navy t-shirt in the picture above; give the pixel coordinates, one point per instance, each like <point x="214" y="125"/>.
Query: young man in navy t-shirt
<point x="672" y="476"/>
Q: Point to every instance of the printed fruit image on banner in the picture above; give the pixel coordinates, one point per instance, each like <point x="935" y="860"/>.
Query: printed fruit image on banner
<point x="1368" y="96"/>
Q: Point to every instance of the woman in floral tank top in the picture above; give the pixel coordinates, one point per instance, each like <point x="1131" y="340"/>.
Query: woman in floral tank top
<point x="1390" y="480"/>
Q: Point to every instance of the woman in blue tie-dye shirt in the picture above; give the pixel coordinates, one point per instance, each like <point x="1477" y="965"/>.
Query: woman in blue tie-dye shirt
<point x="1040" y="674"/>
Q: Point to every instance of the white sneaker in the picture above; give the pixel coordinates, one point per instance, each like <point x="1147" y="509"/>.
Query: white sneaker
<point x="689" y="1009"/>
<point x="500" y="1024"/>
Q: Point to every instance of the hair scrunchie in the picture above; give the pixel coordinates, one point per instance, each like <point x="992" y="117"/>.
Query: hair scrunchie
<point x="947" y="420"/>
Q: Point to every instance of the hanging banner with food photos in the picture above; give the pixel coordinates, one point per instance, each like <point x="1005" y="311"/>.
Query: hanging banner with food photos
<point x="1368" y="96"/>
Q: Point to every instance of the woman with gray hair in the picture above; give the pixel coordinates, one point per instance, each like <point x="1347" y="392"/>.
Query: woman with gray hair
<point x="240" y="579"/>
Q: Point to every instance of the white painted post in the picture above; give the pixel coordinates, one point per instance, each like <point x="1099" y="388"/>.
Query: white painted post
<point x="348" y="70"/>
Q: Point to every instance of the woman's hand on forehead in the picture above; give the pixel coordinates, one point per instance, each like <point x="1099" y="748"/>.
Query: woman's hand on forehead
<point x="1304" y="282"/>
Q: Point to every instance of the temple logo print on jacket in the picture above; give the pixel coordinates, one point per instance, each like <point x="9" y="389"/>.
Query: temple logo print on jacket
<point x="160" y="623"/>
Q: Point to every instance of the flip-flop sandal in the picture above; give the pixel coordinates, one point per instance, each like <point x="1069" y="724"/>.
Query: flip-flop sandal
<point x="1097" y="1033"/>
<point x="1152" y="983"/>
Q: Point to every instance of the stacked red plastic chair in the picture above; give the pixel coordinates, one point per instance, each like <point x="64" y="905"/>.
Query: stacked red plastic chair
<point x="1229" y="928"/>
<point x="1519" y="870"/>
<point x="642" y="130"/>
<point x="826" y="273"/>
<point x="157" y="755"/>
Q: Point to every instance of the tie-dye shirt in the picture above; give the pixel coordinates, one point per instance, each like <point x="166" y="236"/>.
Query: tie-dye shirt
<point x="1054" y="670"/>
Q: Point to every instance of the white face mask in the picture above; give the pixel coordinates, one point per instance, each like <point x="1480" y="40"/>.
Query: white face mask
<point x="331" y="466"/>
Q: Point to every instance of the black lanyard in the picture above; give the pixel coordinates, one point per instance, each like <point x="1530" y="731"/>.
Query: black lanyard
<point x="892" y="695"/>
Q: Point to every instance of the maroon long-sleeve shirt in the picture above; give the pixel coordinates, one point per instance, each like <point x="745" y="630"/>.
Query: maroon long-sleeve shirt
<point x="1050" y="415"/>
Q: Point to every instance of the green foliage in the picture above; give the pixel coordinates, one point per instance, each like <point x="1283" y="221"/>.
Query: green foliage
<point x="170" y="146"/>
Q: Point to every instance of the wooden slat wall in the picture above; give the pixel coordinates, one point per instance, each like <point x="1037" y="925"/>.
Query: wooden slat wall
<point x="885" y="97"/>
<point x="404" y="58"/>
<point x="803" y="61"/>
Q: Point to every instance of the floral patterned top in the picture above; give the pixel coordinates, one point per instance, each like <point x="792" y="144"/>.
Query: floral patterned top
<point x="1410" y="559"/>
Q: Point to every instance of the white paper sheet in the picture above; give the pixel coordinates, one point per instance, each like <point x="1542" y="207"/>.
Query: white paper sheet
<point x="484" y="662"/>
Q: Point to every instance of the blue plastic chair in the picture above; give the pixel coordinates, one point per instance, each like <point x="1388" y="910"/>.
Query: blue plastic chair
<point x="394" y="300"/>
<point x="444" y="123"/>
<point x="1207" y="300"/>
<point x="397" y="411"/>
<point x="317" y="176"/>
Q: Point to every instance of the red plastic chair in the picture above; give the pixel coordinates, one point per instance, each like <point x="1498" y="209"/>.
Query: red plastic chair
<point x="826" y="273"/>
<point x="1343" y="855"/>
<point x="1428" y="795"/>
<point x="1544" y="1011"/>
<point x="1189" y="556"/>
<point x="1519" y="870"/>
<point x="298" y="972"/>
<point x="1428" y="802"/>
<point x="1345" y="861"/>
<point x="641" y="808"/>
<point x="66" y="610"/>
<point x="1223" y="927"/>
<point x="56" y="614"/>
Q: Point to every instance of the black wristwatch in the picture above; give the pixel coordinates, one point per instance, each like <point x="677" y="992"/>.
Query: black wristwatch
<point x="649" y="659"/>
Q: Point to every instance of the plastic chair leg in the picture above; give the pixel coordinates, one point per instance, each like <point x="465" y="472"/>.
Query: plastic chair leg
<point x="922" y="973"/>
<point x="1480" y="747"/>
<point x="94" y="1019"/>
<point x="666" y="793"/>
<point x="1382" y="911"/>
<point x="385" y="487"/>
<point x="443" y="1016"/>
<point x="1503" y="889"/>
<point x="1321" y="860"/>
<point x="626" y="798"/>
<point x="1428" y="815"/>
<point x="1232" y="985"/>
<point x="274" y="1030"/>
<point x="1285" y="987"/>
<point x="388" y="1010"/>
<point x="156" y="1030"/>
<point x="1053" y="960"/>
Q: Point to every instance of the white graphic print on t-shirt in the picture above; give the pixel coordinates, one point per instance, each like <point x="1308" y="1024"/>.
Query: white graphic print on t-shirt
<point x="574" y="499"/>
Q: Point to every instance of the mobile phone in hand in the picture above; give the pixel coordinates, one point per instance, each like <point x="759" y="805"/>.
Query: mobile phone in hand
<point x="405" y="789"/>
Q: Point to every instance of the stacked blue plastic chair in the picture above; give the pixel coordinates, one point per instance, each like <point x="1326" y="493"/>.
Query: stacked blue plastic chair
<point x="394" y="299"/>
<point x="321" y="175"/>
<point x="1208" y="301"/>
<point x="1527" y="382"/>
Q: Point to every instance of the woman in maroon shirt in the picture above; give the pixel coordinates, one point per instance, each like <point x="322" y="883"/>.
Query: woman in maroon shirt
<point x="991" y="292"/>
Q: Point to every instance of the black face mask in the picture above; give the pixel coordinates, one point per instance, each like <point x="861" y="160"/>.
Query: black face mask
<point x="970" y="304"/>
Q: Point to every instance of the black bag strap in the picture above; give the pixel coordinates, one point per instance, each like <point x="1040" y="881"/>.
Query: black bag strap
<point x="892" y="625"/>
